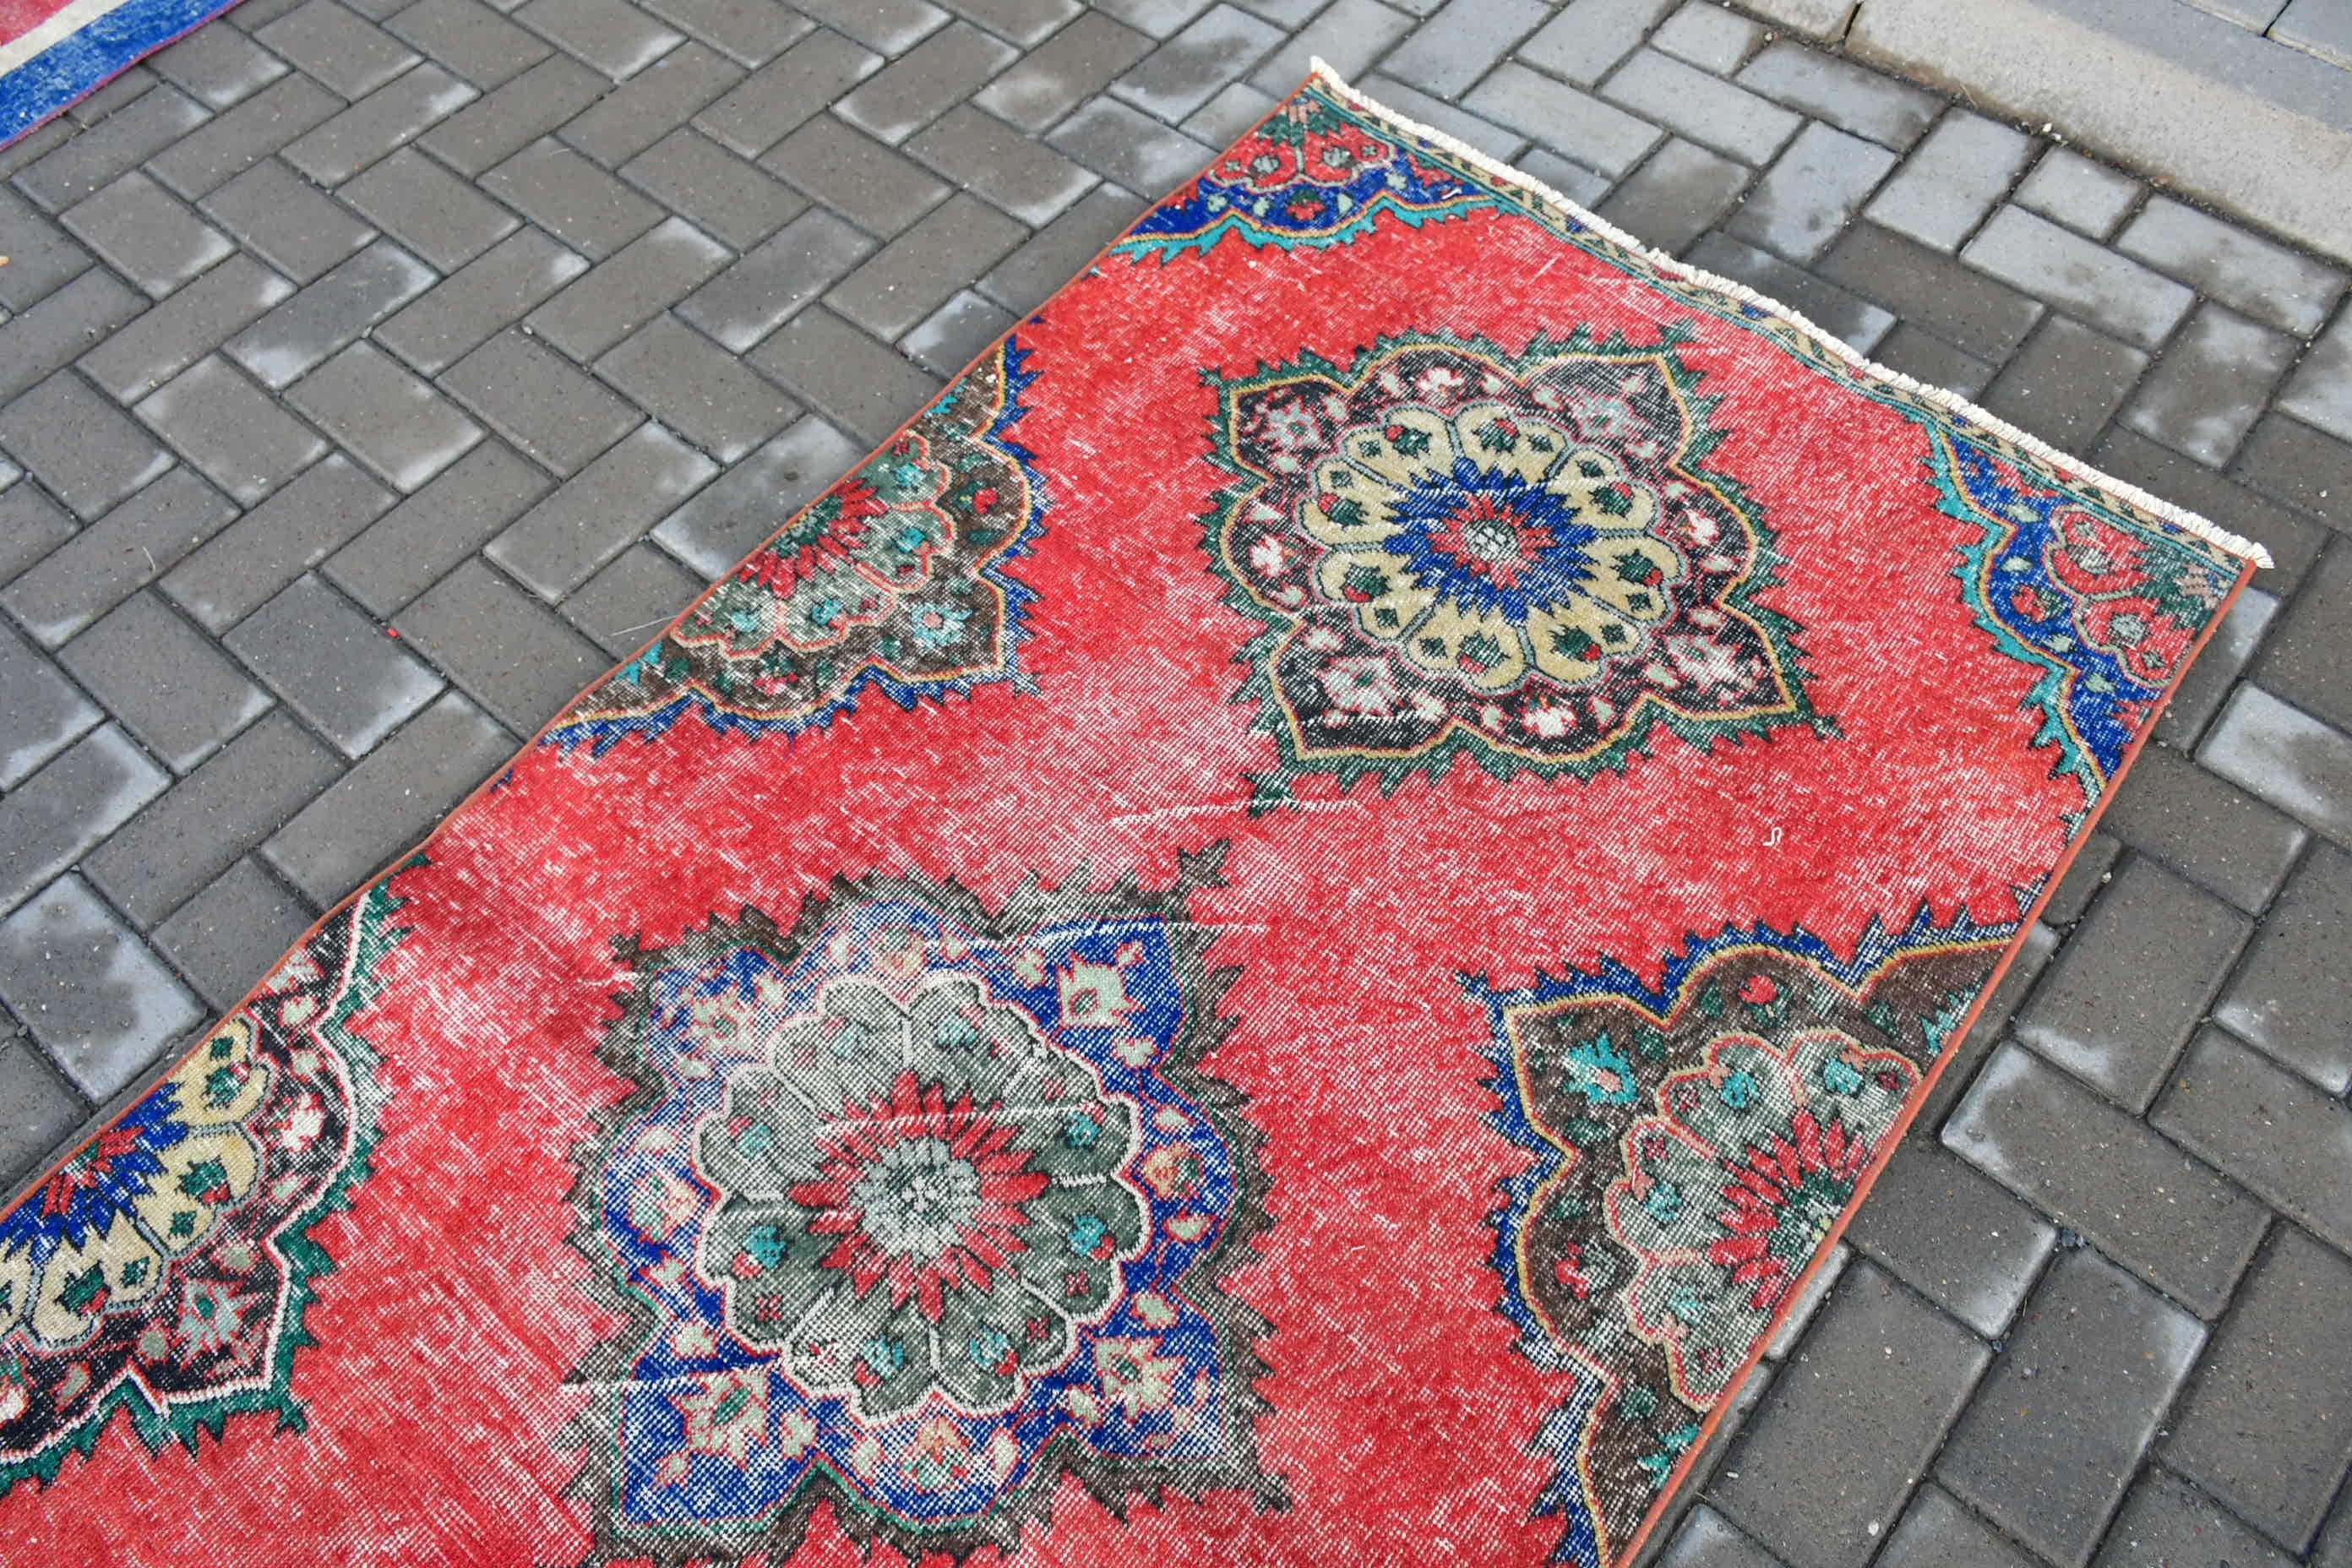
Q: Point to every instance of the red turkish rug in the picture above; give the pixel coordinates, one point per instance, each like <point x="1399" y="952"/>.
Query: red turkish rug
<point x="1278" y="935"/>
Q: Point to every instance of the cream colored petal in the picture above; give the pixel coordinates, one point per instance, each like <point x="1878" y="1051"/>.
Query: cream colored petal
<point x="202" y="1175"/>
<point x="1485" y="650"/>
<point x="1594" y="482"/>
<point x="128" y="1269"/>
<point x="224" y="1081"/>
<point x="1572" y="640"/>
<point x="1630" y="575"/>
<point x="1347" y="506"/>
<point x="1494" y="436"/>
<point x="1379" y="587"/>
<point x="16" y="1288"/>
<point x="1410" y="445"/>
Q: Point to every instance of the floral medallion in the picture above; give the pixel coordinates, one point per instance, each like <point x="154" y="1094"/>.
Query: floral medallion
<point x="166" y="1268"/>
<point x="1453" y="549"/>
<point x="917" y="1209"/>
<point x="2109" y="606"/>
<point x="1694" y="1146"/>
<point x="1314" y="174"/>
<point x="893" y="579"/>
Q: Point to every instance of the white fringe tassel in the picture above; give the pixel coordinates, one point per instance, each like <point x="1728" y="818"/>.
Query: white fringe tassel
<point x="2074" y="467"/>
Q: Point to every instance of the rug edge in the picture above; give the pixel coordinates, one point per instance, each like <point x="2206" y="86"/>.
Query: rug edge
<point x="1322" y="73"/>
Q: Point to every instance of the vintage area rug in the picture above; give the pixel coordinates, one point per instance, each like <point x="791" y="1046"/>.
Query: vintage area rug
<point x="1276" y="936"/>
<point x="55" y="53"/>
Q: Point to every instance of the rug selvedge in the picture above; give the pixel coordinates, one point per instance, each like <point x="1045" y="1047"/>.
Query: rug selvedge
<point x="916" y="1208"/>
<point x="165" y="1269"/>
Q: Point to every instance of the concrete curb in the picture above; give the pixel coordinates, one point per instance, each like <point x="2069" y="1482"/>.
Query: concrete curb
<point x="2221" y="115"/>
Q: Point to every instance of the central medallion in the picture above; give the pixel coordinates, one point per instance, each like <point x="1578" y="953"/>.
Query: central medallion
<point x="919" y="1208"/>
<point x="1456" y="549"/>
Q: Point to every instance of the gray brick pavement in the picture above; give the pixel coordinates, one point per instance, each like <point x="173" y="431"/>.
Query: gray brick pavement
<point x="371" y="375"/>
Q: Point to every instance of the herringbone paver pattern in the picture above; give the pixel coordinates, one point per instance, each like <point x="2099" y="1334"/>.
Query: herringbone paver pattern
<point x="373" y="373"/>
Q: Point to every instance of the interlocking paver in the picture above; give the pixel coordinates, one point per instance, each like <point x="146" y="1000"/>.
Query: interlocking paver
<point x="392" y="116"/>
<point x="651" y="104"/>
<point x="874" y="186"/>
<point x="2263" y="1429"/>
<point x="1676" y="195"/>
<point x="411" y="546"/>
<point x="2119" y="1003"/>
<point x="2210" y="387"/>
<point x="389" y="800"/>
<point x="923" y="83"/>
<point x="1236" y="107"/>
<point x="38" y="1108"/>
<point x="532" y="397"/>
<point x="333" y="46"/>
<point x="1953" y="1235"/>
<point x="1710" y="36"/>
<point x="507" y="651"/>
<point x="2065" y="383"/>
<point x="44" y="714"/>
<point x="40" y="255"/>
<point x="696" y="388"/>
<point x="1127" y="147"/>
<point x="334" y="665"/>
<point x="2302" y="466"/>
<point x="713" y="189"/>
<point x="1023" y="22"/>
<point x="2072" y="272"/>
<point x="1844" y="315"/>
<point x="1893" y="113"/>
<point x="1218" y="47"/>
<point x="751" y="32"/>
<point x="2167" y="1522"/>
<point x="990" y="158"/>
<point x="1587" y="38"/>
<point x="2170" y="1219"/>
<point x="510" y="117"/>
<point x="86" y="451"/>
<point x="2285" y="1138"/>
<point x="2321" y="391"/>
<point x="620" y="294"/>
<point x="217" y="65"/>
<point x="146" y="233"/>
<point x="867" y="389"/>
<point x="1348" y="36"/>
<point x="2289" y="998"/>
<point x="2294" y="540"/>
<point x="2204" y="828"/>
<point x="1705" y="108"/>
<point x="432" y="212"/>
<point x="287" y="221"/>
<point x="558" y="544"/>
<point x="461" y="312"/>
<point x="469" y="39"/>
<point x="2286" y="756"/>
<point x="1810" y="191"/>
<point x="2200" y="693"/>
<point x="229" y="430"/>
<point x="1955" y="302"/>
<point x="231" y="932"/>
<point x="1065" y="70"/>
<point x="1599" y="134"/>
<point x="614" y="36"/>
<point x="1707" y="1540"/>
<point x="331" y="312"/>
<point x="1936" y="1531"/>
<point x="239" y="137"/>
<point x="916" y="273"/>
<point x="238" y="569"/>
<point x="2079" y="193"/>
<point x="164" y="680"/>
<point x="155" y="120"/>
<point x="96" y="997"/>
<point x="1991" y="1027"/>
<point x="1951" y="180"/>
<point x="766" y="284"/>
<point x="578" y="202"/>
<point x="193" y="832"/>
<point x="775" y="100"/>
<point x="623" y="606"/>
<point x="105" y="562"/>
<point x="726" y="519"/>
<point x="85" y="793"/>
<point x="1156" y="17"/>
<point x="952" y="335"/>
<point x="46" y="337"/>
<point x="2267" y="281"/>
<point x="2048" y="1445"/>
<point x="1816" y="1465"/>
<point x="1021" y="281"/>
<point x="400" y="427"/>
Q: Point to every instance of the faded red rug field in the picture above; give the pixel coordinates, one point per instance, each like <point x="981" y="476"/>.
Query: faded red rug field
<point x="1278" y="936"/>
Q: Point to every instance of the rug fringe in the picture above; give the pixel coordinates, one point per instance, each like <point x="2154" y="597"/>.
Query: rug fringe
<point x="2178" y="516"/>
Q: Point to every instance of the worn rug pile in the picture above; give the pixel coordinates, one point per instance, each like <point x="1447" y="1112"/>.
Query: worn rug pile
<point x="1278" y="935"/>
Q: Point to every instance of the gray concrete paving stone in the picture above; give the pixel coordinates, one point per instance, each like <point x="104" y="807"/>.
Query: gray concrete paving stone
<point x="45" y="713"/>
<point x="95" y="569"/>
<point x="505" y="650"/>
<point x="96" y="997"/>
<point x="441" y="217"/>
<point x="287" y="221"/>
<point x="164" y="680"/>
<point x="2065" y="383"/>
<point x="2286" y="756"/>
<point x="2289" y="997"/>
<point x="462" y="312"/>
<point x="2204" y="828"/>
<point x="727" y="197"/>
<point x="2266" y="280"/>
<point x="411" y="546"/>
<point x="230" y="934"/>
<point x="1809" y="192"/>
<point x="240" y="568"/>
<point x="2209" y="388"/>
<point x="334" y="665"/>
<point x="625" y="292"/>
<point x="1939" y="1531"/>
<point x="2287" y="1140"/>
<point x="531" y="396"/>
<point x="230" y="430"/>
<point x="592" y="517"/>
<point x="1676" y="195"/>
<point x="1951" y="180"/>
